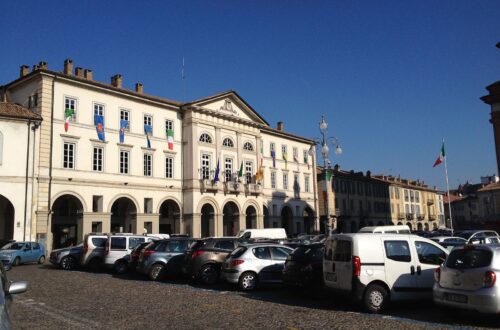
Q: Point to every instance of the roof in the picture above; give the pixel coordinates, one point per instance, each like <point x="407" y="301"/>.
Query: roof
<point x="13" y="110"/>
<point x="490" y="187"/>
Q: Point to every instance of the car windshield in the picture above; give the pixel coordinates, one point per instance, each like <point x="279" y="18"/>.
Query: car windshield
<point x="13" y="246"/>
<point x="469" y="258"/>
<point x="198" y="245"/>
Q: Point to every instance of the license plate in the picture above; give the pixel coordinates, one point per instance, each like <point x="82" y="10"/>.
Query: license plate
<point x="456" y="298"/>
<point x="332" y="277"/>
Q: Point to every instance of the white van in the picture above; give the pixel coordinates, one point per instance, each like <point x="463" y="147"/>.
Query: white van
<point x="118" y="248"/>
<point x="272" y="233"/>
<point x="397" y="229"/>
<point x="376" y="268"/>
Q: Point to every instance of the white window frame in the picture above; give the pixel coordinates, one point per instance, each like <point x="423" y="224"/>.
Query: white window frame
<point x="228" y="169"/>
<point x="169" y="167"/>
<point x="169" y="124"/>
<point x="284" y="151"/>
<point x="306" y="183"/>
<point x="67" y="100"/>
<point x="248" y="146"/>
<point x="273" y="180"/>
<point x="71" y="163"/>
<point x="285" y="180"/>
<point x="205" y="138"/>
<point x="228" y="143"/>
<point x="125" y="113"/>
<point x="99" y="109"/>
<point x="148" y="120"/>
<point x="147" y="164"/>
<point x="97" y="160"/>
<point x="248" y="171"/>
<point x="124" y="162"/>
<point x="205" y="165"/>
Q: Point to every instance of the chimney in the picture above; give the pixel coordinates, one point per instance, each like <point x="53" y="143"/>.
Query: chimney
<point x="139" y="88"/>
<point x="88" y="74"/>
<point x="43" y="65"/>
<point x="68" y="66"/>
<point x="369" y="174"/>
<point x="280" y="126"/>
<point x="116" y="81"/>
<point x="79" y="72"/>
<point x="336" y="167"/>
<point x="24" y="70"/>
<point x="35" y="67"/>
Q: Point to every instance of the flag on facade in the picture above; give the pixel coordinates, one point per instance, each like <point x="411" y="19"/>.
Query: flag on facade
<point x="68" y="113"/>
<point x="240" y="173"/>
<point x="123" y="127"/>
<point x="170" y="139"/>
<point x="260" y="175"/>
<point x="216" y="175"/>
<point x="147" y="131"/>
<point x="441" y="156"/>
<point x="99" y="126"/>
<point x="285" y="157"/>
<point x="328" y="175"/>
<point x="306" y="159"/>
<point x="273" y="155"/>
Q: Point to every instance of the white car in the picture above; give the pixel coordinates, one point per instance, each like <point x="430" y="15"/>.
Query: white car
<point x="480" y="236"/>
<point x="376" y="268"/>
<point x="448" y="239"/>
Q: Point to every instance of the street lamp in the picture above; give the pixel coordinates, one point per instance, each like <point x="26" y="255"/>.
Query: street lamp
<point x="323" y="128"/>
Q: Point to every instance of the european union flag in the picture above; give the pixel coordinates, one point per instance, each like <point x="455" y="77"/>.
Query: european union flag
<point x="99" y="126"/>
<point x="123" y="127"/>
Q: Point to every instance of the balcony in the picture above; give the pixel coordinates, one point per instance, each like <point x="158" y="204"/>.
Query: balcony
<point x="430" y="201"/>
<point x="409" y="216"/>
<point x="209" y="185"/>
<point x="432" y="217"/>
<point x="253" y="189"/>
<point x="231" y="187"/>
<point x="421" y="216"/>
<point x="401" y="215"/>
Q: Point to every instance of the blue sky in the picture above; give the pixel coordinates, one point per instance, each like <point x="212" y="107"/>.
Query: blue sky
<point x="393" y="78"/>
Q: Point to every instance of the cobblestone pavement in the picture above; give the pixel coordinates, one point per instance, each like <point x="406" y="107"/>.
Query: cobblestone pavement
<point x="58" y="299"/>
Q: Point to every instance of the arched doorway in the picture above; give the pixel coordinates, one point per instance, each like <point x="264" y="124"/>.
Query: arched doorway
<point x="354" y="227"/>
<point x="308" y="220"/>
<point x="419" y="226"/>
<point x="251" y="217"/>
<point x="169" y="217"/>
<point x="67" y="214"/>
<point x="6" y="218"/>
<point x="434" y="226"/>
<point x="207" y="221"/>
<point x="287" y="220"/>
<point x="409" y="225"/>
<point x="230" y="219"/>
<point x="267" y="220"/>
<point x="400" y="223"/>
<point x="123" y="216"/>
<point x="426" y="226"/>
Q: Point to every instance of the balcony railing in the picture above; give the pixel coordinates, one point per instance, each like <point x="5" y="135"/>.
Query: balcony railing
<point x="409" y="216"/>
<point x="253" y="189"/>
<point x="430" y="201"/>
<point x="232" y="187"/>
<point x="432" y="217"/>
<point x="421" y="216"/>
<point x="209" y="185"/>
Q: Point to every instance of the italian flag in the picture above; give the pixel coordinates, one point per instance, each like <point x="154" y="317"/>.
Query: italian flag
<point x="440" y="158"/>
<point x="170" y="139"/>
<point x="67" y="115"/>
<point x="240" y="173"/>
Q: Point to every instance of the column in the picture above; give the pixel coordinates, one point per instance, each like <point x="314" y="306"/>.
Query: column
<point x="103" y="223"/>
<point x="143" y="218"/>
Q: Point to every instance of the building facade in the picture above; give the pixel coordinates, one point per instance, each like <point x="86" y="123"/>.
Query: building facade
<point x="110" y="159"/>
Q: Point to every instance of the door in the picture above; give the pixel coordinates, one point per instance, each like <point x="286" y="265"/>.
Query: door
<point x="429" y="257"/>
<point x="263" y="262"/>
<point x="337" y="264"/>
<point x="27" y="253"/>
<point x="400" y="268"/>
<point x="279" y="255"/>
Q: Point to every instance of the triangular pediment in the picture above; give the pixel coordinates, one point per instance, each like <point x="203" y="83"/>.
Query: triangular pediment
<point x="229" y="104"/>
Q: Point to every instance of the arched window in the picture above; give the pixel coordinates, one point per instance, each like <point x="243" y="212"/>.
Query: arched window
<point x="1" y="147"/>
<point x="248" y="146"/>
<point x="228" y="143"/>
<point x="205" y="138"/>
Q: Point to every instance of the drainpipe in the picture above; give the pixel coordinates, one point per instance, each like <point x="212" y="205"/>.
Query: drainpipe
<point x="49" y="199"/>
<point x="35" y="127"/>
<point x="26" y="180"/>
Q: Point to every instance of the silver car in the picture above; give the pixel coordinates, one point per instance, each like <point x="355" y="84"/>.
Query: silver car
<point x="254" y="264"/>
<point x="468" y="279"/>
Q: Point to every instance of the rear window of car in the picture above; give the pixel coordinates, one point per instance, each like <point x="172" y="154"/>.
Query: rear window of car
<point x="225" y="245"/>
<point x="238" y="252"/>
<point x="99" y="242"/>
<point x="310" y="252"/>
<point x="469" y="258"/>
<point x="198" y="245"/>
<point x="134" y="241"/>
<point x="177" y="246"/>
<point x="118" y="243"/>
<point x="341" y="251"/>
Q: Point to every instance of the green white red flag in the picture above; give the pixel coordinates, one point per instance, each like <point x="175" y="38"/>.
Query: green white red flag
<point x="170" y="139"/>
<point x="67" y="115"/>
<point x="440" y="159"/>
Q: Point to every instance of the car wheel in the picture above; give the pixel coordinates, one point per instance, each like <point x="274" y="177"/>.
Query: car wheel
<point x="156" y="271"/>
<point x="121" y="267"/>
<point x="95" y="265"/>
<point x="17" y="261"/>
<point x="248" y="281"/>
<point x="68" y="263"/>
<point x="41" y="260"/>
<point x="209" y="274"/>
<point x="376" y="298"/>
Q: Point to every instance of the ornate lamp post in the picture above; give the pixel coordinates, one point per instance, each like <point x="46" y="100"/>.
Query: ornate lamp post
<point x="323" y="128"/>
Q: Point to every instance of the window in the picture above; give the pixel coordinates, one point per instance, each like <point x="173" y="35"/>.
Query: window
<point x="397" y="251"/>
<point x="205" y="166"/>
<point x="406" y="195"/>
<point x="228" y="143"/>
<point x="148" y="120"/>
<point x="70" y="103"/>
<point x="118" y="243"/>
<point x="272" y="146"/>
<point x="341" y="251"/>
<point x="169" y="167"/>
<point x="36" y="246"/>
<point x="295" y="154"/>
<point x="98" y="109"/>
<point x="169" y="125"/>
<point x="148" y="165"/>
<point x="228" y="169"/>
<point x="248" y="171"/>
<point x="97" y="159"/>
<point x="285" y="181"/>
<point x="429" y="254"/>
<point x="306" y="184"/>
<point x="69" y="155"/>
<point x="205" y="138"/>
<point x="134" y="241"/>
<point x="284" y="152"/>
<point x="417" y="197"/>
<point x="33" y="101"/>
<point x="466" y="259"/>
<point x="124" y="159"/>
<point x="262" y="253"/>
<point x="273" y="180"/>
<point x="280" y="253"/>
<point x="248" y="146"/>
<point x="125" y="115"/>
<point x="225" y="245"/>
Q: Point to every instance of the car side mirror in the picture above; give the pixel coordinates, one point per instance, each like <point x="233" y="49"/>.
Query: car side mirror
<point x="18" y="287"/>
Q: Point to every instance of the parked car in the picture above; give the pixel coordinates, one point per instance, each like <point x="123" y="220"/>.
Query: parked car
<point x="18" y="253"/>
<point x="163" y="258"/>
<point x="304" y="266"/>
<point x="4" y="242"/>
<point x="468" y="279"/>
<point x="93" y="251"/>
<point x="272" y="233"/>
<point x="480" y="236"/>
<point x="67" y="258"/>
<point x="118" y="248"/>
<point x="448" y="239"/>
<point x="376" y="268"/>
<point x="203" y="260"/>
<point x="255" y="264"/>
<point x="396" y="229"/>
<point x="135" y="254"/>
<point x="8" y="289"/>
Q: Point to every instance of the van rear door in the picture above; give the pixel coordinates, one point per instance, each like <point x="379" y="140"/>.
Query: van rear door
<point x="337" y="264"/>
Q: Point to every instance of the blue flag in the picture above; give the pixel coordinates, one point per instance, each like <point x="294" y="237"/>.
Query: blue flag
<point x="216" y="175"/>
<point x="273" y="154"/>
<point x="99" y="126"/>
<point x="147" y="131"/>
<point x="123" y="127"/>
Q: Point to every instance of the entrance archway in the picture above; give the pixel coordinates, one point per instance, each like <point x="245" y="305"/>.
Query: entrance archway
<point x="169" y="217"/>
<point x="230" y="219"/>
<point x="308" y="220"/>
<point x="251" y="217"/>
<point x="419" y="226"/>
<point x="426" y="226"/>
<point x="123" y="215"/>
<point x="207" y="221"/>
<point x="67" y="213"/>
<point x="409" y="225"/>
<point x="6" y="218"/>
<point x="267" y="221"/>
<point x="287" y="220"/>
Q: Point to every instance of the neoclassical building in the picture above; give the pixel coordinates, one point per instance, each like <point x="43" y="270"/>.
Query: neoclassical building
<point x="110" y="159"/>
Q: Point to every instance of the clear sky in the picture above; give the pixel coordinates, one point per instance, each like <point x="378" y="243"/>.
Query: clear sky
<point x="393" y="78"/>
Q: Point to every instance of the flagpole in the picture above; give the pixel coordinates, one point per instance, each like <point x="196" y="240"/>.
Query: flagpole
<point x="448" y="191"/>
